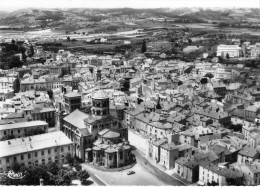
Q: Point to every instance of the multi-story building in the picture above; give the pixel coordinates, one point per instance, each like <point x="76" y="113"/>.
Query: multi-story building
<point x="45" y="114"/>
<point x="220" y="89"/>
<point x="210" y="173"/>
<point x="7" y="83"/>
<point x="247" y="155"/>
<point x="154" y="148"/>
<point x="255" y="52"/>
<point x="72" y="101"/>
<point x="35" y="150"/>
<point x="218" y="71"/>
<point x="19" y="129"/>
<point x="254" y="138"/>
<point x="232" y="50"/>
<point x="250" y="112"/>
<point x="170" y="152"/>
<point x="187" y="169"/>
<point x="250" y="171"/>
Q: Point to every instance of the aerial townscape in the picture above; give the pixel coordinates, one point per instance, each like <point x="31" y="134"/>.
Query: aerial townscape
<point x="125" y="96"/>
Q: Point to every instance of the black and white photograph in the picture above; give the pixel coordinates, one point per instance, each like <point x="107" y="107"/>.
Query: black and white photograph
<point x="129" y="93"/>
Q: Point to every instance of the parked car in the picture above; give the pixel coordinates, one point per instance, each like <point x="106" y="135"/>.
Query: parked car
<point x="130" y="172"/>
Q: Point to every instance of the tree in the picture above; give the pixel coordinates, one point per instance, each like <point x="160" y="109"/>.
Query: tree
<point x="16" y="167"/>
<point x="31" y="50"/>
<point x="204" y="81"/>
<point x="209" y="75"/>
<point x="144" y="47"/>
<point x="83" y="175"/>
<point x="50" y="93"/>
<point x="180" y="83"/>
<point x="227" y="56"/>
<point x="78" y="167"/>
<point x="70" y="159"/>
<point x="53" y="168"/>
<point x="34" y="174"/>
<point x="63" y="178"/>
<point x="220" y="59"/>
<point x="14" y="61"/>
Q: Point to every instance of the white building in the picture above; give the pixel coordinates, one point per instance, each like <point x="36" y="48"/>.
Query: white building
<point x="7" y="82"/>
<point x="210" y="173"/>
<point x="232" y="50"/>
<point x="35" y="150"/>
<point x="18" y="129"/>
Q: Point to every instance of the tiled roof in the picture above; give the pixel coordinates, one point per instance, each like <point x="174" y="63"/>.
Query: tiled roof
<point x="100" y="94"/>
<point x="188" y="162"/>
<point x="228" y="173"/>
<point x="72" y="94"/>
<point x="248" y="151"/>
<point x="159" y="142"/>
<point x="111" y="134"/>
<point x="33" y="143"/>
<point x="76" y="118"/>
<point x="23" y="125"/>
<point x="169" y="146"/>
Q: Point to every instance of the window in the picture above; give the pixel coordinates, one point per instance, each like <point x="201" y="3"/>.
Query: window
<point x="98" y="113"/>
<point x="110" y="157"/>
<point x="42" y="153"/>
<point x="29" y="155"/>
<point x="0" y="161"/>
<point x="43" y="161"/>
<point x="36" y="163"/>
<point x="4" y="132"/>
<point x="49" y="159"/>
<point x="12" y="132"/>
<point x="18" y="130"/>
<point x="61" y="149"/>
<point x="21" y="157"/>
<point x="7" y="160"/>
<point x="121" y="155"/>
<point x="49" y="151"/>
<point x="68" y="148"/>
<point x="35" y="154"/>
<point x="55" y="150"/>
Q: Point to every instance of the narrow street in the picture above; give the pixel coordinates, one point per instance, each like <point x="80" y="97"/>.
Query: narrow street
<point x="141" y="159"/>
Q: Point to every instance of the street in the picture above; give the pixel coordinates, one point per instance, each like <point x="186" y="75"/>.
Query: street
<point x="141" y="177"/>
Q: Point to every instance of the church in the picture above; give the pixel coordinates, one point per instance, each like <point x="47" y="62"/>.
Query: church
<point x="84" y="128"/>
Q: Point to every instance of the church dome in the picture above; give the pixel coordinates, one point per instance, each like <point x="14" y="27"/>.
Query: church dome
<point x="100" y="94"/>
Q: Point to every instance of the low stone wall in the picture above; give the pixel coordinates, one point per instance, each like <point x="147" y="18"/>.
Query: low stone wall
<point x="111" y="169"/>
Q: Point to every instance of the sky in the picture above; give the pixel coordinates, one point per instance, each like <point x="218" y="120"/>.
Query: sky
<point x="11" y="5"/>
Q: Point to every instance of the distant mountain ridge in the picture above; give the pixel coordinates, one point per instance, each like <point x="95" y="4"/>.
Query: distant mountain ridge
<point x="52" y="17"/>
